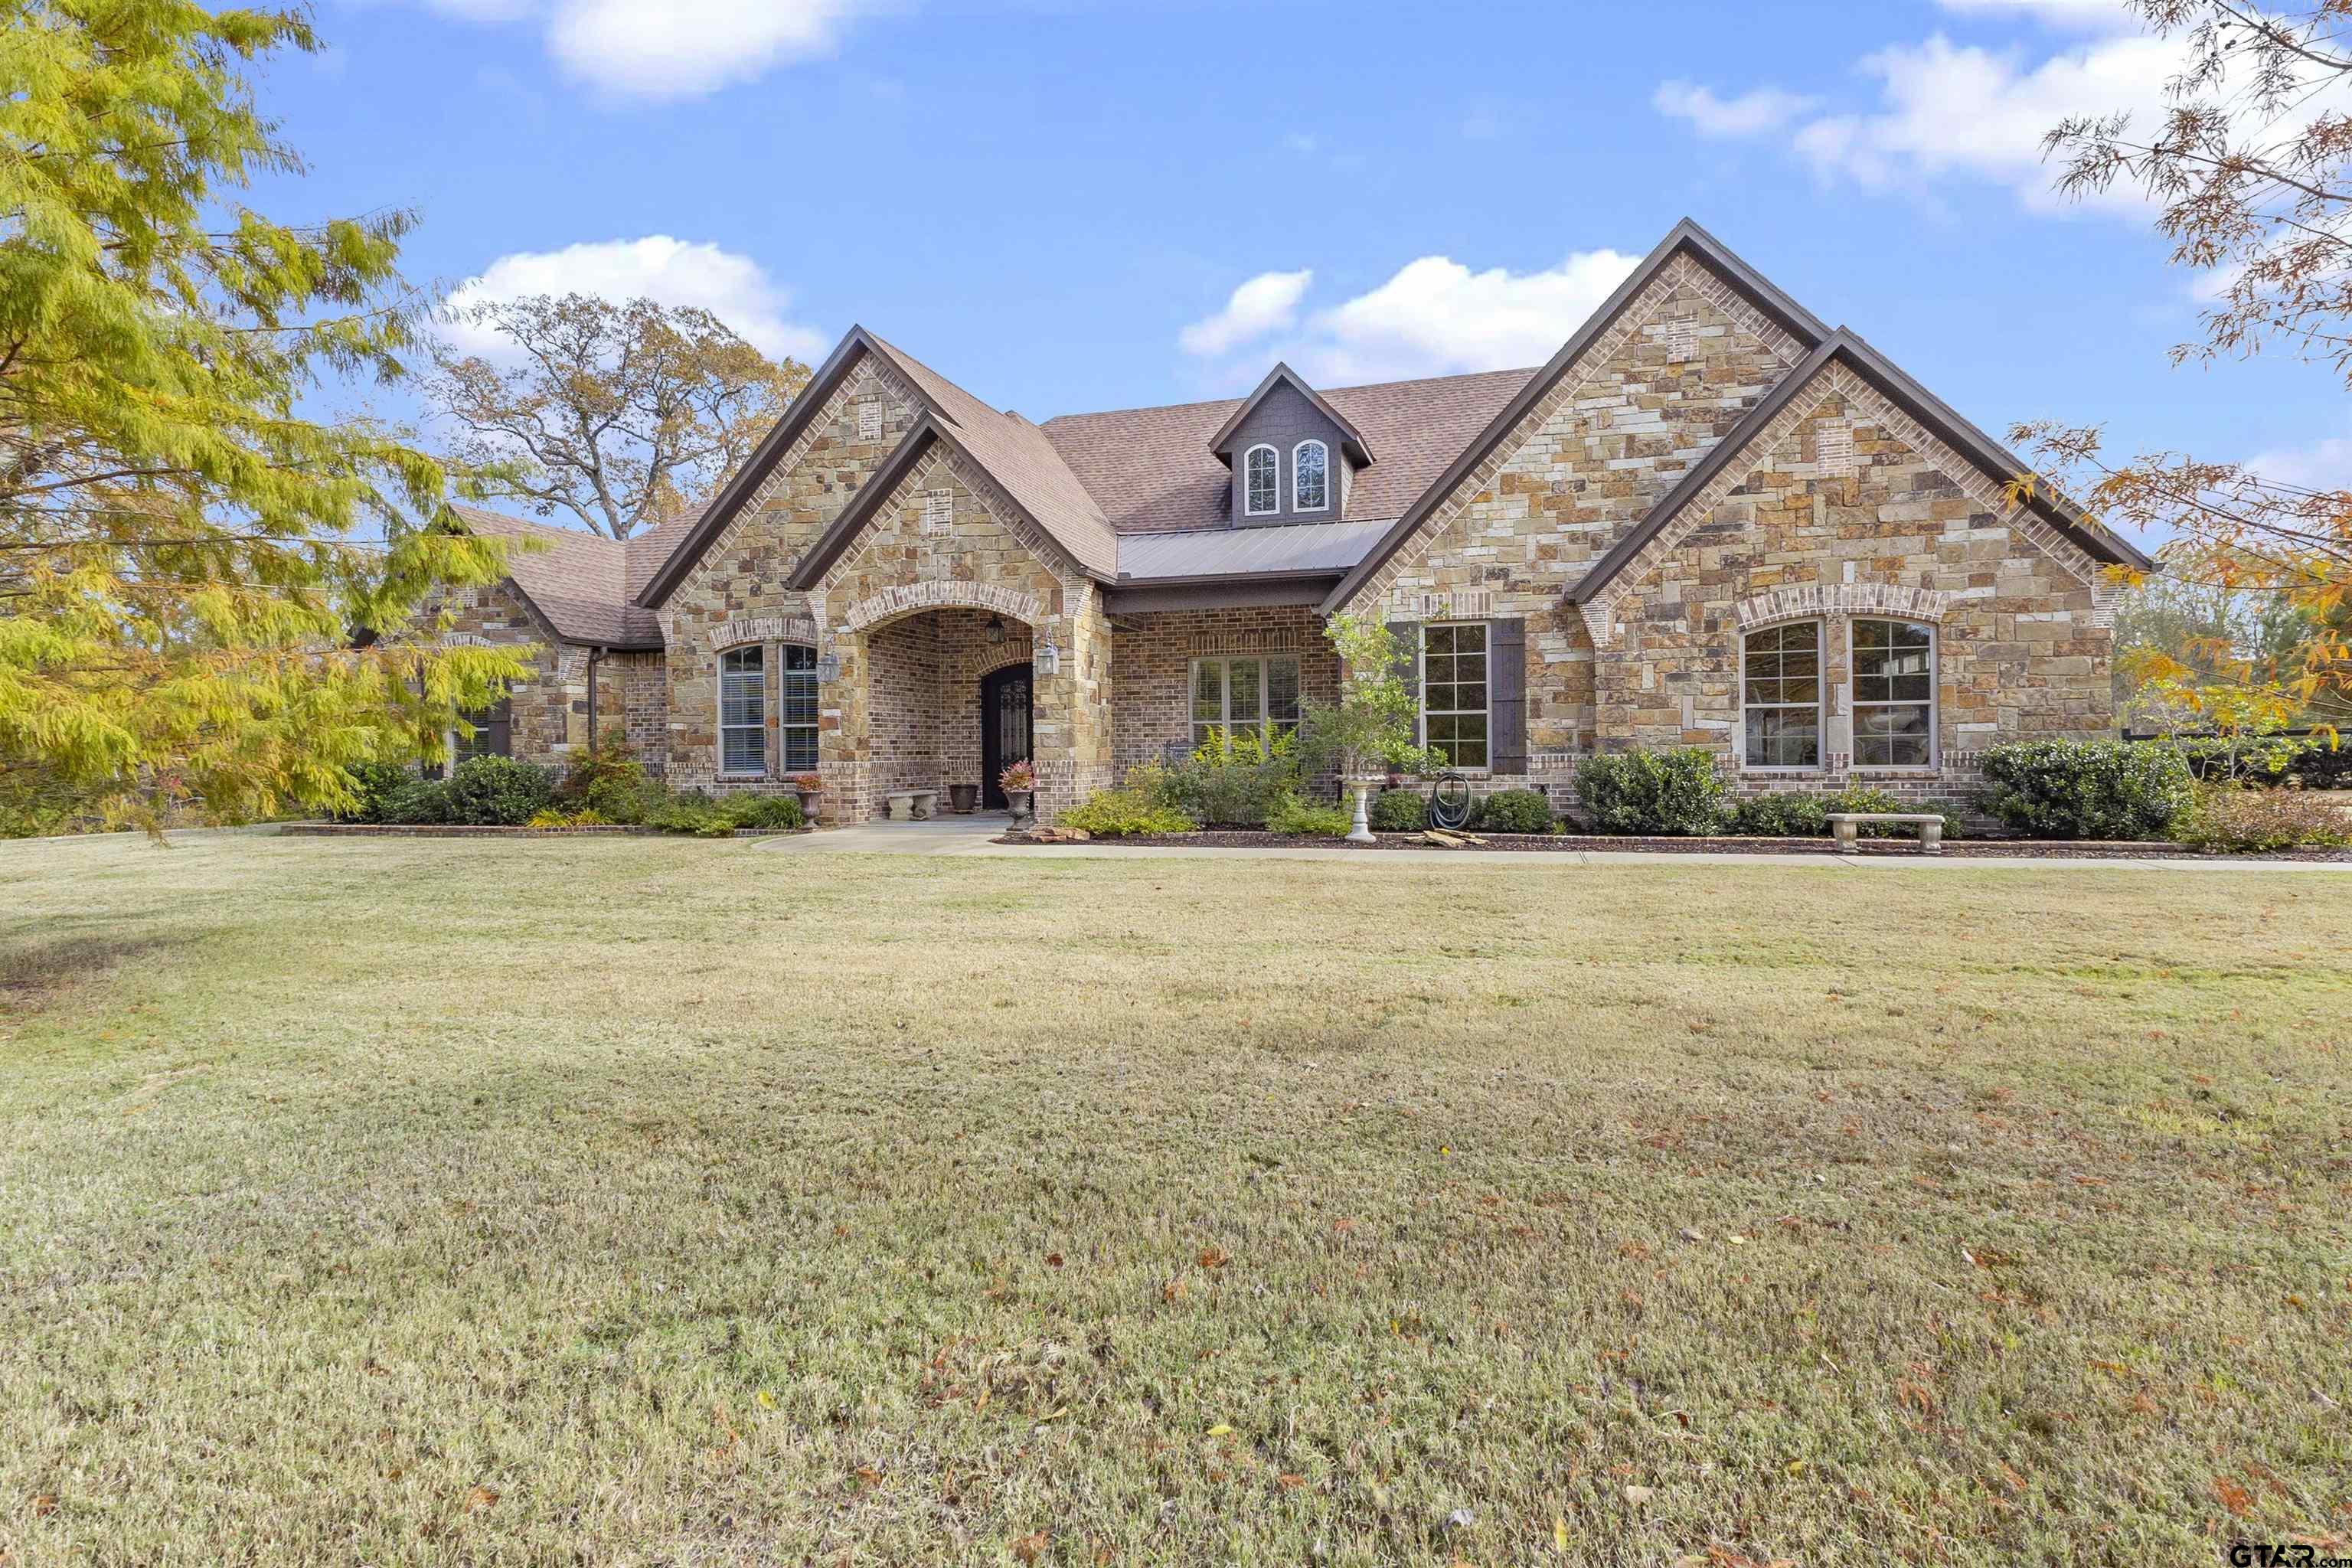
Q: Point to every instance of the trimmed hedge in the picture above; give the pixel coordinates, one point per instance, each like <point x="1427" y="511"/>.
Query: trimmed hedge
<point x="1399" y="811"/>
<point x="2088" y="789"/>
<point x="1647" y="794"/>
<point x="1515" y="811"/>
<point x="498" y="792"/>
<point x="1292" y="815"/>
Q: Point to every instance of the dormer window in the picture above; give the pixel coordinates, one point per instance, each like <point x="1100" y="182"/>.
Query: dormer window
<point x="1262" y="482"/>
<point x="1310" y="477"/>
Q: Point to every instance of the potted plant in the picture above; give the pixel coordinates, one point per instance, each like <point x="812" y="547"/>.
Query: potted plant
<point x="963" y="799"/>
<point x="1019" y="783"/>
<point x="808" y="786"/>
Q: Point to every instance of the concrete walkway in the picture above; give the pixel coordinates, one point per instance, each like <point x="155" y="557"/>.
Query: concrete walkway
<point x="971" y="836"/>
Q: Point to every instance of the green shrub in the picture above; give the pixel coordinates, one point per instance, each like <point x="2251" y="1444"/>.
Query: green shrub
<point x="688" y="813"/>
<point x="372" y="786"/>
<point x="1137" y="807"/>
<point x="1399" y="811"/>
<point x="762" y="811"/>
<point x="1233" y="779"/>
<point x="498" y="792"/>
<point x="2239" y="817"/>
<point x="2086" y="789"/>
<point x="1796" y="814"/>
<point x="609" y="782"/>
<point x="1515" y="811"/>
<point x="419" y="803"/>
<point x="1291" y="814"/>
<point x="1672" y="794"/>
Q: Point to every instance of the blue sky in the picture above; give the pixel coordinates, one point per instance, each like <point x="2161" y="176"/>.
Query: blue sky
<point x="1056" y="204"/>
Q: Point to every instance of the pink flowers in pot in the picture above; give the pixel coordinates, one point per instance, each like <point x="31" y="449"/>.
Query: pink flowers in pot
<point x="1018" y="779"/>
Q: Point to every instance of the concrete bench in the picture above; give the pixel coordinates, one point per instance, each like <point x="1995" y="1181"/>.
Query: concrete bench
<point x="1847" y="826"/>
<point x="913" y="805"/>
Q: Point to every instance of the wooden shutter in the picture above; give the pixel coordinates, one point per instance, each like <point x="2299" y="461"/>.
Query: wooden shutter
<point x="1507" y="694"/>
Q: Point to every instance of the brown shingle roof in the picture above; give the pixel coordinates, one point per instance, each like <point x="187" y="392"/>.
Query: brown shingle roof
<point x="1152" y="469"/>
<point x="582" y="583"/>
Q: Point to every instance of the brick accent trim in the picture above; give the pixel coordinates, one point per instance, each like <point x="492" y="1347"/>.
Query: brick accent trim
<point x="908" y="598"/>
<point x="1807" y="599"/>
<point x="761" y="629"/>
<point x="1860" y="397"/>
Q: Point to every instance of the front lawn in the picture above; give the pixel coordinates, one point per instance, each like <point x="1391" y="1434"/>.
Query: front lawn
<point x="649" y="1201"/>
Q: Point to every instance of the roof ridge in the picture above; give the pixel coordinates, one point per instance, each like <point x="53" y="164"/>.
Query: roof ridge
<point x="1327" y="392"/>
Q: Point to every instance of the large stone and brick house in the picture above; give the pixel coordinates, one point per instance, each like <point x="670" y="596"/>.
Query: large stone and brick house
<point x="1710" y="520"/>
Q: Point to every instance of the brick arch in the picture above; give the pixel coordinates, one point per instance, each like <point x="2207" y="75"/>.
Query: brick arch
<point x="761" y="629"/>
<point x="1802" y="600"/>
<point x="891" y="603"/>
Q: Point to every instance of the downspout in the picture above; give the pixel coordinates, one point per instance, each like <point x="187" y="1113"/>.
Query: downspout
<point x="594" y="654"/>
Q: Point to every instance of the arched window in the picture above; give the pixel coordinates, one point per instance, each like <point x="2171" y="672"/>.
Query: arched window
<point x="1894" y="694"/>
<point x="1780" y="696"/>
<point x="744" y="712"/>
<point x="1261" y="482"/>
<point x="1310" y="477"/>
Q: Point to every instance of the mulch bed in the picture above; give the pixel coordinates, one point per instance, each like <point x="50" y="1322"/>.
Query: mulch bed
<point x="1574" y="843"/>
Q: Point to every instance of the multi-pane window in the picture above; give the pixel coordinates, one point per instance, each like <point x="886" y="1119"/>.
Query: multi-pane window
<point x="796" y="708"/>
<point x="493" y="734"/>
<point x="1894" y="694"/>
<point x="1454" y="692"/>
<point x="1241" y="695"/>
<point x="1310" y="477"/>
<point x="1780" y="696"/>
<point x="1262" y="480"/>
<point x="744" y="710"/>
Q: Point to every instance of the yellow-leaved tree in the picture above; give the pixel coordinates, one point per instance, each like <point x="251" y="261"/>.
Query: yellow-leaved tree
<point x="2250" y="171"/>
<point x="189" y="565"/>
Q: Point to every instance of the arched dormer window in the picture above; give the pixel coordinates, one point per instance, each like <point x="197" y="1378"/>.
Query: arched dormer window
<point x="1261" y="482"/>
<point x="1310" y="477"/>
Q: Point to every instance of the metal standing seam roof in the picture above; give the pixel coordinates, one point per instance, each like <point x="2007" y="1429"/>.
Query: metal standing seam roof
<point x="1297" y="548"/>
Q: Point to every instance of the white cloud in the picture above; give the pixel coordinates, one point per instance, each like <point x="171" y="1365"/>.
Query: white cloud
<point x="2087" y="15"/>
<point x="1266" y="303"/>
<point x="1433" y="317"/>
<point x="733" y="287"/>
<point x="1947" y="108"/>
<point x="1751" y="113"/>
<point x="674" y="48"/>
<point x="2323" y="465"/>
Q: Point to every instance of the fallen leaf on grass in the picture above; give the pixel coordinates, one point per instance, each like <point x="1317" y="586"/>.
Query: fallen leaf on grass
<point x="1637" y="1496"/>
<point x="1214" y="1258"/>
<point x="44" y="1505"/>
<point x="2234" y="1496"/>
<point x="1559" y="1535"/>
<point x="1031" y="1547"/>
<point x="1289" y="1479"/>
<point x="481" y="1498"/>
<point x="1221" y="1430"/>
<point x="767" y="1400"/>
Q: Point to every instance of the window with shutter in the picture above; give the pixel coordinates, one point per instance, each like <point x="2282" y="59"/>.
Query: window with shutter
<point x="1454" y="693"/>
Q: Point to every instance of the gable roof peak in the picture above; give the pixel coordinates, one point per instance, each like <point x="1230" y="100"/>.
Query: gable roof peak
<point x="1358" y="450"/>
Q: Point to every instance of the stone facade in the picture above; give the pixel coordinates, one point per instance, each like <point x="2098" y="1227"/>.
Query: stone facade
<point x="735" y="593"/>
<point x="897" y="610"/>
<point x="1685" y="360"/>
<point x="1903" y="529"/>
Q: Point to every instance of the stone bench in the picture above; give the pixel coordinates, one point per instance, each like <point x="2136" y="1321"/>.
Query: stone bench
<point x="1847" y="826"/>
<point x="913" y="805"/>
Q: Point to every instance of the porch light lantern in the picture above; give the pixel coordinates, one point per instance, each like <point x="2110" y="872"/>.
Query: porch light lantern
<point x="995" y="631"/>
<point x="1049" y="656"/>
<point x="828" y="669"/>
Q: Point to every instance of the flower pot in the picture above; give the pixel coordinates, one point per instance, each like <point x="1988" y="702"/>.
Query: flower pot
<point x="1022" y="804"/>
<point x="963" y="799"/>
<point x="808" y="804"/>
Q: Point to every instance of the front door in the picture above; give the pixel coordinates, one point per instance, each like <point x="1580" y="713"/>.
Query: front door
<point x="1004" y="735"/>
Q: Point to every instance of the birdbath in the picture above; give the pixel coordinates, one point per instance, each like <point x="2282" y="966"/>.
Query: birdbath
<point x="1359" y="829"/>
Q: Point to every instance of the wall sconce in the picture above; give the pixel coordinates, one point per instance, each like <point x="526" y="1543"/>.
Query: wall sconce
<point x="828" y="669"/>
<point x="1049" y="656"/>
<point x="996" y="631"/>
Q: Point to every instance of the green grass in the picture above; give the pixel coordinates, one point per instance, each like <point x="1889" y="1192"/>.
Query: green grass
<point x="642" y="1201"/>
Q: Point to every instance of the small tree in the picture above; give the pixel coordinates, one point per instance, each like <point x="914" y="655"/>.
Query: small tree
<point x="621" y="416"/>
<point x="1373" y="724"/>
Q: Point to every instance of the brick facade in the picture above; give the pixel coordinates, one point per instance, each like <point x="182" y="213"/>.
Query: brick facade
<point x="1152" y="668"/>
